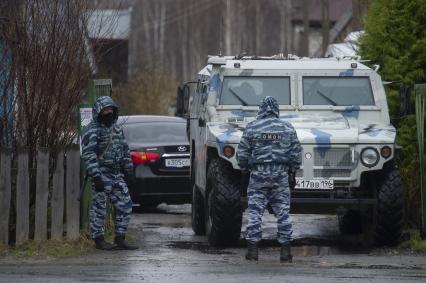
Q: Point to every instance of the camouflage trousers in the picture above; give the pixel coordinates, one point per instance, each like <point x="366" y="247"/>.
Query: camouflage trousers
<point x="268" y="186"/>
<point x="117" y="192"/>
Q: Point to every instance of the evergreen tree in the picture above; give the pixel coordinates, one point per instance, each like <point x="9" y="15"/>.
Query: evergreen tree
<point x="395" y="38"/>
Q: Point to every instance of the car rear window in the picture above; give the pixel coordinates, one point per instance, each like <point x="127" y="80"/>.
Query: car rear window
<point x="155" y="132"/>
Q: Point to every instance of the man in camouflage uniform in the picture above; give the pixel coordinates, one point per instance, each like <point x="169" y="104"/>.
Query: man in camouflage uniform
<point x="108" y="163"/>
<point x="269" y="148"/>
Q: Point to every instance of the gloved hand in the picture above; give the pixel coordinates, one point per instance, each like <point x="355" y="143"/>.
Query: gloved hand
<point x="98" y="184"/>
<point x="292" y="178"/>
<point x="129" y="179"/>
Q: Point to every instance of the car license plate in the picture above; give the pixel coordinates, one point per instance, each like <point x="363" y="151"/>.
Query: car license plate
<point x="177" y="162"/>
<point x="316" y="184"/>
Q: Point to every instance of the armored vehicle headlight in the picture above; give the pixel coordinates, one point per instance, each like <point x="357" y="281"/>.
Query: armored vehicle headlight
<point x="228" y="151"/>
<point x="369" y="157"/>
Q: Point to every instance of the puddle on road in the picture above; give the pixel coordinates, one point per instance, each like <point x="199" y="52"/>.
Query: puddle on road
<point x="324" y="250"/>
<point x="197" y="246"/>
<point x="152" y="225"/>
<point x="303" y="251"/>
<point x="184" y="209"/>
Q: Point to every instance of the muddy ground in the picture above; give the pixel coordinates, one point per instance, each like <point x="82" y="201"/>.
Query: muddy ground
<point x="171" y="253"/>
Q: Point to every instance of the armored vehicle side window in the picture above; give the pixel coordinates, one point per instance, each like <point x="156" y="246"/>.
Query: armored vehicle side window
<point x="248" y="91"/>
<point x="337" y="91"/>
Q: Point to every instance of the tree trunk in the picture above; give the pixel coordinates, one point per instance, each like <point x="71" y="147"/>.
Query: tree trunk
<point x="325" y="25"/>
<point x="305" y="38"/>
<point x="258" y="28"/>
<point x="356" y="14"/>
<point x="148" y="26"/>
<point x="161" y="36"/>
<point x="227" y="27"/>
<point x="183" y="32"/>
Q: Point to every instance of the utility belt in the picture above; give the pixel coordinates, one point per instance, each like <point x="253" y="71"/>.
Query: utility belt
<point x="270" y="166"/>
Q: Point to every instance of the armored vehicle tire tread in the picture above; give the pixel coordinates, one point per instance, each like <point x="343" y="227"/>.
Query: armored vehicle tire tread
<point x="224" y="210"/>
<point x="389" y="209"/>
<point x="197" y="212"/>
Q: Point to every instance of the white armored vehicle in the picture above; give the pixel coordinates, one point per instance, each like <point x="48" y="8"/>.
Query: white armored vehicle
<point x="339" y="110"/>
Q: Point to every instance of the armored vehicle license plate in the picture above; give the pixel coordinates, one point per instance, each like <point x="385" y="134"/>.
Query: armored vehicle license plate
<point x="315" y="184"/>
<point x="177" y="162"/>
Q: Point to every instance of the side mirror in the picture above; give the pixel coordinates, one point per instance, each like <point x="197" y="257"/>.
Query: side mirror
<point x="182" y="99"/>
<point x="185" y="98"/>
<point x="179" y="101"/>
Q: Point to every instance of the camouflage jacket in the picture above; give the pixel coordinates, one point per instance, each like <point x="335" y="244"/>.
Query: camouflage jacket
<point x="269" y="140"/>
<point x="98" y="157"/>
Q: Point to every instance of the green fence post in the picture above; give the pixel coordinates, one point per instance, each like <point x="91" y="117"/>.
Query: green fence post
<point x="420" y="121"/>
<point x="96" y="88"/>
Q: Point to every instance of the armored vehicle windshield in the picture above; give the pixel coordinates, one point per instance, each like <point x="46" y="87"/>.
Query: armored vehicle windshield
<point x="337" y="91"/>
<point x="248" y="91"/>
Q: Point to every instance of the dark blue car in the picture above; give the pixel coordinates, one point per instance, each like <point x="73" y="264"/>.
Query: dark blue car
<point x="159" y="150"/>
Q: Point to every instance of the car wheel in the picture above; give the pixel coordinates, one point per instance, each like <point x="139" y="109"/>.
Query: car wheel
<point x="223" y="209"/>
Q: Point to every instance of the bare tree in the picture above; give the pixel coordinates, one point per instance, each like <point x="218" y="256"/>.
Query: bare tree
<point x="50" y="64"/>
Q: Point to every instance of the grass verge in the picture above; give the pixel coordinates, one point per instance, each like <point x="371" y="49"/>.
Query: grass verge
<point x="415" y="243"/>
<point x="50" y="248"/>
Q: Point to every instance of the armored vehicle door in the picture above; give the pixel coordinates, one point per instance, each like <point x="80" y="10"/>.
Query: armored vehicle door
<point x="198" y="133"/>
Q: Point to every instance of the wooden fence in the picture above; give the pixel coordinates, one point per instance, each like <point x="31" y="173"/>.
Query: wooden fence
<point x="58" y="195"/>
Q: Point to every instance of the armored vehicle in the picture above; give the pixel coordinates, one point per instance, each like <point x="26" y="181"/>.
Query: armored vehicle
<point x="339" y="109"/>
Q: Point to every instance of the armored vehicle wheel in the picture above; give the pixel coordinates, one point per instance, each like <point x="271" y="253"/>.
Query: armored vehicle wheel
<point x="350" y="223"/>
<point x="223" y="211"/>
<point x="197" y="212"/>
<point x="389" y="211"/>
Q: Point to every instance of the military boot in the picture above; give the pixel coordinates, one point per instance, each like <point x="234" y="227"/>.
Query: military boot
<point x="100" y="244"/>
<point x="122" y="244"/>
<point x="285" y="255"/>
<point x="252" y="251"/>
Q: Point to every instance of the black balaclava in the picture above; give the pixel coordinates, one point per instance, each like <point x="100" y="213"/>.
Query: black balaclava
<point x="106" y="119"/>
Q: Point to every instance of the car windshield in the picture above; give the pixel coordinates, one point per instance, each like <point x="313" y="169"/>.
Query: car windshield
<point x="249" y="91"/>
<point x="337" y="91"/>
<point x="155" y="132"/>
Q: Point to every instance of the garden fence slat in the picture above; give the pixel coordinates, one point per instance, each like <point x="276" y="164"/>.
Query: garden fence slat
<point x="22" y="198"/>
<point x="5" y="194"/>
<point x="72" y="188"/>
<point x="42" y="193"/>
<point x="57" y="201"/>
